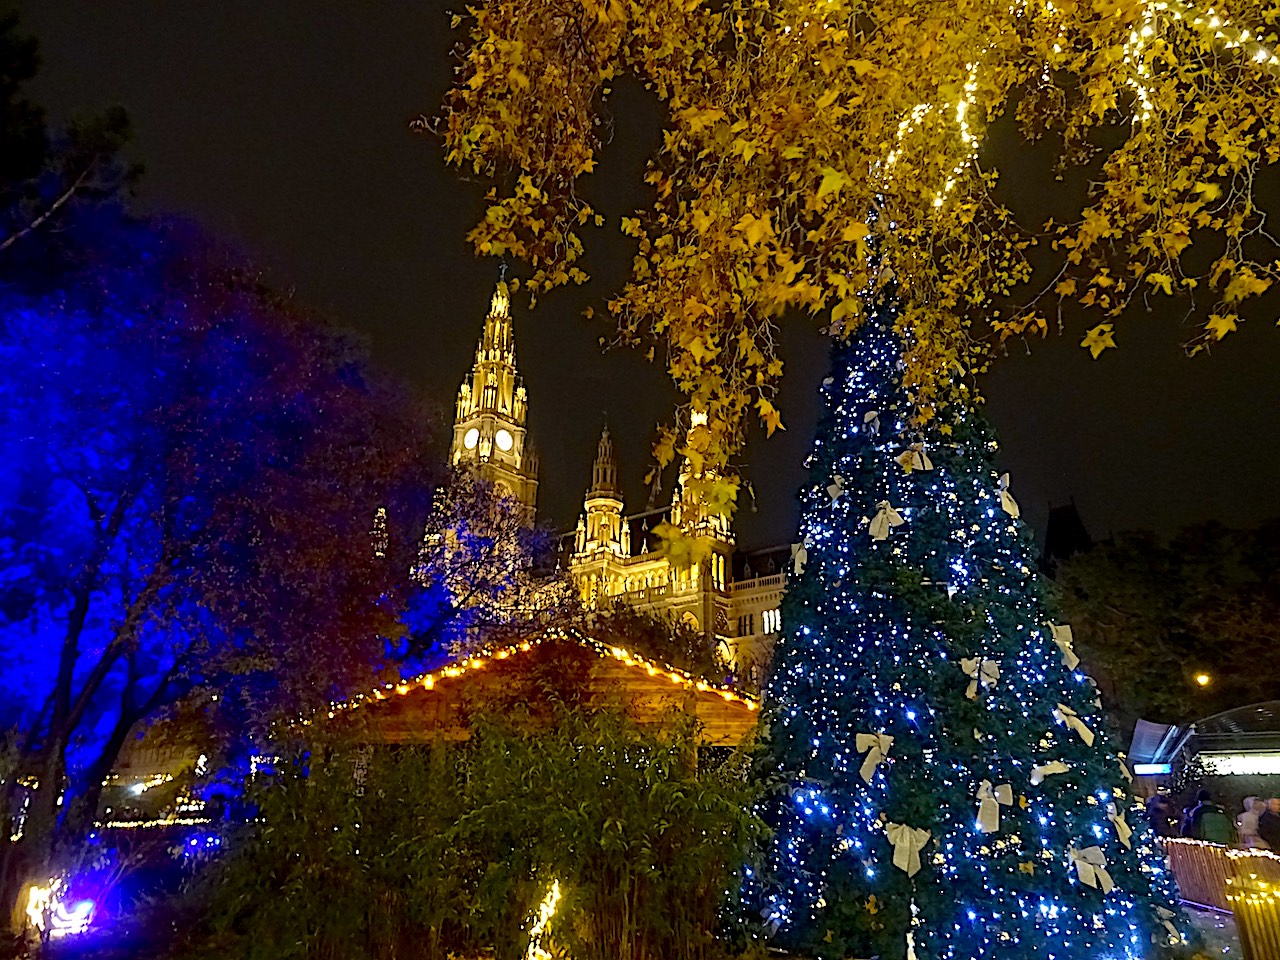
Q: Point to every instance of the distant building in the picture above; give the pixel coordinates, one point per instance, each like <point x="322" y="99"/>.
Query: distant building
<point x="732" y="598"/>
<point x="1242" y="742"/>
<point x="489" y="423"/>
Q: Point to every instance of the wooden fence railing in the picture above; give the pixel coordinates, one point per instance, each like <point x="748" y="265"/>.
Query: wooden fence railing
<point x="1246" y="882"/>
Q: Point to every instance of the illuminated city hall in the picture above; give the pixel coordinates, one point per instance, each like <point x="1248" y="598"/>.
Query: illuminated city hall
<point x="731" y="597"/>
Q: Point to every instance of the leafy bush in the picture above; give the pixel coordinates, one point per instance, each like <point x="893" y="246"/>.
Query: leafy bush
<point x="428" y="850"/>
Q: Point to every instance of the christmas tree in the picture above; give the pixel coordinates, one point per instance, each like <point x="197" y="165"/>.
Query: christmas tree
<point x="951" y="790"/>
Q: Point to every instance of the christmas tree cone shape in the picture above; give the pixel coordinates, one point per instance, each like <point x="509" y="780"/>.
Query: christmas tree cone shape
<point x="951" y="790"/>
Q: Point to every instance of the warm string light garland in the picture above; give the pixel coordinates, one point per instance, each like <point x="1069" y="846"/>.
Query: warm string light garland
<point x="878" y="627"/>
<point x="1135" y="56"/>
<point x="174" y="821"/>
<point x="478" y="661"/>
<point x="540" y="922"/>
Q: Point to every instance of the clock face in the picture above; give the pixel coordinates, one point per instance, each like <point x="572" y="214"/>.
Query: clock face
<point x="504" y="440"/>
<point x="471" y="438"/>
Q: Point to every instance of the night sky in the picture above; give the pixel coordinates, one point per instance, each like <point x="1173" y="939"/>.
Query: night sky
<point x="283" y="125"/>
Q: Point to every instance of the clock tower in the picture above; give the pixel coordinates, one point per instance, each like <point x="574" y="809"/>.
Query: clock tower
<point x="489" y="424"/>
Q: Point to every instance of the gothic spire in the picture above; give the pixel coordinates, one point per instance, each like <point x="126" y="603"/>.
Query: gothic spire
<point x="604" y="474"/>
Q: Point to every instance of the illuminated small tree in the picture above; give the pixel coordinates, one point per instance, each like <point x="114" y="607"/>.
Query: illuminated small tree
<point x="476" y="572"/>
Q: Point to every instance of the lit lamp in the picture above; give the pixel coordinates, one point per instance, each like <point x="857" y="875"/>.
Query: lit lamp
<point x="1203" y="679"/>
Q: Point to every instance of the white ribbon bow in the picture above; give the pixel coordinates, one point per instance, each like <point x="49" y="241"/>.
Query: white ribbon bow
<point x="799" y="556"/>
<point x="1062" y="637"/>
<point x="835" y="490"/>
<point x="886" y="518"/>
<point x="1007" y="503"/>
<point x="914" y="458"/>
<point x="907" y="844"/>
<point x="1123" y="830"/>
<point x="1065" y="715"/>
<point x="984" y="672"/>
<point x="1091" y="868"/>
<point x="1166" y="916"/>
<point x="989" y="800"/>
<point x="1039" y="772"/>
<point x="871" y="423"/>
<point x="876" y="746"/>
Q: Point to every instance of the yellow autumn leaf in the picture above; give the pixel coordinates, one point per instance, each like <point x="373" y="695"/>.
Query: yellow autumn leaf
<point x="716" y="492"/>
<point x="753" y="228"/>
<point x="1245" y="284"/>
<point x="770" y="415"/>
<point x="845" y="308"/>
<point x="664" y="449"/>
<point x="1220" y="325"/>
<point x="1098" y="339"/>
<point x="1161" y="281"/>
<point x="855" y="230"/>
<point x="832" y="181"/>
<point x="698" y="348"/>
<point x="1210" y="191"/>
<point x="680" y="549"/>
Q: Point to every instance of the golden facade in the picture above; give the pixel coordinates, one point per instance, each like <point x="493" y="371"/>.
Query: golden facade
<point x="730" y="597"/>
<point x="489" y="424"/>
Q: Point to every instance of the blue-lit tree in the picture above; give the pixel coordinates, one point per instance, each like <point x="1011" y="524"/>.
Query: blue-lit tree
<point x="951" y="791"/>
<point x="191" y="470"/>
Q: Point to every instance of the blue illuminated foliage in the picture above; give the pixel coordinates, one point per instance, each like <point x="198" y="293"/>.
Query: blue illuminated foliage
<point x="189" y="465"/>
<point x="937" y="635"/>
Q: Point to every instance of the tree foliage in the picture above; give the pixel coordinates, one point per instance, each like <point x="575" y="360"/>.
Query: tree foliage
<point x="1206" y="602"/>
<point x="445" y="851"/>
<point x="476" y="573"/>
<point x="659" y="637"/>
<point x="49" y="172"/>
<point x="789" y="121"/>
<point x="192" y="466"/>
<point x="920" y="694"/>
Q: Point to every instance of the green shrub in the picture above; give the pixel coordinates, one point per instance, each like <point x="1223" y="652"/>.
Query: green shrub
<point x="450" y="849"/>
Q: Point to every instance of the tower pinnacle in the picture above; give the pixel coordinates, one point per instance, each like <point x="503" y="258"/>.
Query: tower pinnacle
<point x="489" y="422"/>
<point x="604" y="474"/>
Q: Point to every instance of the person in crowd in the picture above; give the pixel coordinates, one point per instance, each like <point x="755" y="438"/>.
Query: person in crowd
<point x="1161" y="813"/>
<point x="1209" y="822"/>
<point x="1185" y="826"/>
<point x="1247" y="824"/>
<point x="1269" y="824"/>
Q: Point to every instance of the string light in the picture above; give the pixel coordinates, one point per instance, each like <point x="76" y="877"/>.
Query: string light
<point x="47" y="913"/>
<point x="479" y="661"/>
<point x="538" y="929"/>
<point x="174" y="821"/>
<point x="1135" y="54"/>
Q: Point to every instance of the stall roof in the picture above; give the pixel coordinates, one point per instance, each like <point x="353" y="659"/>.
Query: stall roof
<point x="434" y="705"/>
<point x="1245" y="737"/>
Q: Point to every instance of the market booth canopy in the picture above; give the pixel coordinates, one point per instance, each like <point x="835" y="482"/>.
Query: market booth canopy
<point x="555" y="664"/>
<point x="1240" y="742"/>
